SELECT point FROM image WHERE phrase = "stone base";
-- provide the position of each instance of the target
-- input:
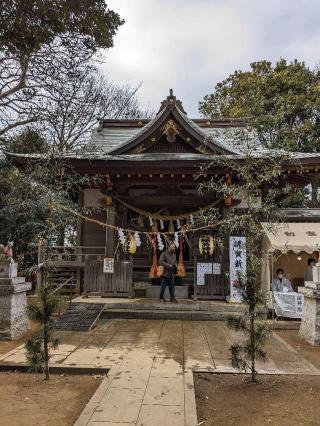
(310, 322)
(153, 292)
(13, 301)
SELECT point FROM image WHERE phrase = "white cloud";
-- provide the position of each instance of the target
(191, 45)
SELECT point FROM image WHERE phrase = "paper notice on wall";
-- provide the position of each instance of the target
(216, 268)
(238, 265)
(207, 268)
(203, 268)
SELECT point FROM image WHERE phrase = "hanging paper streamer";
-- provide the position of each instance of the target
(161, 225)
(178, 224)
(122, 237)
(160, 242)
(176, 239)
(191, 219)
(150, 221)
(137, 238)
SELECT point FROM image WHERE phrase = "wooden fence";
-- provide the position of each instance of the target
(113, 285)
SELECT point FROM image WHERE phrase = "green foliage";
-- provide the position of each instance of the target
(29, 141)
(281, 101)
(297, 198)
(41, 21)
(39, 346)
(254, 180)
(26, 196)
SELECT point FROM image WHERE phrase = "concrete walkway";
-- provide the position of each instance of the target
(152, 363)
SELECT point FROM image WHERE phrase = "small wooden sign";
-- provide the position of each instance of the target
(108, 265)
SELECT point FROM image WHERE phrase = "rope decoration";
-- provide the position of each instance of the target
(169, 218)
(183, 230)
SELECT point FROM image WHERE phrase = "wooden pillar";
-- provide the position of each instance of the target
(110, 220)
(78, 281)
(225, 264)
(228, 199)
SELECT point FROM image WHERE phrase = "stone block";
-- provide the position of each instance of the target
(153, 292)
(310, 322)
(8, 269)
(13, 301)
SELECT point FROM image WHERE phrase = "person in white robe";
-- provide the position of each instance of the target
(281, 284)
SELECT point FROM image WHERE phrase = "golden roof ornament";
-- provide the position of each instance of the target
(171, 130)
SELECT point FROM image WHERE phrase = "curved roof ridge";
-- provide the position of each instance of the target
(140, 132)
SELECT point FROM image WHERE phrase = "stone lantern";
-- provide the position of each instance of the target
(310, 323)
(13, 301)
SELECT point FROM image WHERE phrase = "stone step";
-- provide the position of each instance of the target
(166, 315)
(180, 306)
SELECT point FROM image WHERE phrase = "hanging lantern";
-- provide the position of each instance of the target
(206, 245)
(171, 228)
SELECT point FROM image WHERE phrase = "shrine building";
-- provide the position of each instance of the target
(150, 168)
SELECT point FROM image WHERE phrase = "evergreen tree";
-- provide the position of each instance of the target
(38, 347)
(281, 102)
(252, 178)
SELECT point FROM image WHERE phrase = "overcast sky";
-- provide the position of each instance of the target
(190, 45)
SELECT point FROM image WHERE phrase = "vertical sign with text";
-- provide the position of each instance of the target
(108, 265)
(238, 265)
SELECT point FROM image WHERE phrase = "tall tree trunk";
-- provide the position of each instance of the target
(46, 352)
(253, 346)
(314, 192)
(61, 237)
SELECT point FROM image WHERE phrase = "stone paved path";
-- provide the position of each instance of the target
(150, 382)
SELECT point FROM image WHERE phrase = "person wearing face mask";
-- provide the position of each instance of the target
(281, 284)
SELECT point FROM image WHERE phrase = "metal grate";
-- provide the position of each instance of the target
(79, 317)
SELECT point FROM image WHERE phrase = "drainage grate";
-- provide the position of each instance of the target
(79, 317)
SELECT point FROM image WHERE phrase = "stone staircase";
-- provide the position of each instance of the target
(184, 310)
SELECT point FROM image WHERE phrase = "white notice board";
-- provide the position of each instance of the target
(207, 268)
